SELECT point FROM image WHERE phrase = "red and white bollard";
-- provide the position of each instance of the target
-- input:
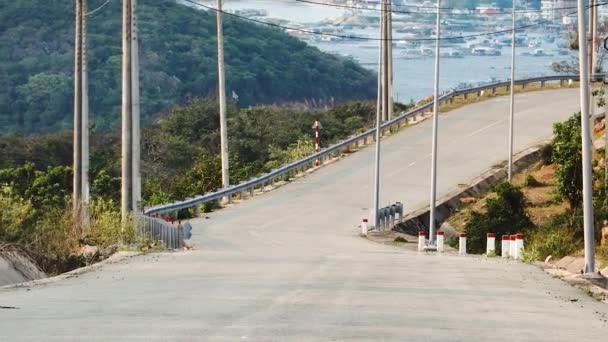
(462, 244)
(491, 244)
(512, 244)
(519, 245)
(317, 126)
(440, 242)
(505, 246)
(421, 241)
(364, 228)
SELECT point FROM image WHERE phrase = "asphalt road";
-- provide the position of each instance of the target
(288, 265)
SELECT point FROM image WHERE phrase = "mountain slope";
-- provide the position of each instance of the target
(178, 61)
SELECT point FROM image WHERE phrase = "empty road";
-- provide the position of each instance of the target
(288, 265)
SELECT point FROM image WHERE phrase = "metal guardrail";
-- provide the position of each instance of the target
(361, 139)
(159, 230)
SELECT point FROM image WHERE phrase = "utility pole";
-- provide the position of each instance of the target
(589, 235)
(385, 61)
(376, 200)
(389, 44)
(81, 116)
(432, 230)
(222, 98)
(592, 32)
(131, 176)
(512, 109)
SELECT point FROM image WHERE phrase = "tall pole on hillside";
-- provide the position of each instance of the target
(593, 29)
(385, 77)
(390, 72)
(432, 230)
(131, 177)
(81, 115)
(376, 200)
(222, 98)
(586, 142)
(512, 109)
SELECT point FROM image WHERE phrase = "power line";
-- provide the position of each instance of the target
(378, 39)
(98, 8)
(425, 7)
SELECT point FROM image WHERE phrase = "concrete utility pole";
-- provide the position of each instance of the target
(376, 200)
(592, 38)
(432, 230)
(222, 98)
(586, 141)
(385, 61)
(131, 176)
(81, 115)
(512, 109)
(389, 44)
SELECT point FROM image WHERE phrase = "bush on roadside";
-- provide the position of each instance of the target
(106, 226)
(504, 214)
(532, 182)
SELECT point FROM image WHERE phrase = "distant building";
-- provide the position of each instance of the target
(558, 10)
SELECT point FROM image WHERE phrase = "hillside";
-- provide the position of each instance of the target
(178, 61)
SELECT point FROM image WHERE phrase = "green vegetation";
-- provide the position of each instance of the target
(503, 214)
(567, 154)
(178, 161)
(178, 62)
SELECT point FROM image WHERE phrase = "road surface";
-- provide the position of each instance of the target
(288, 265)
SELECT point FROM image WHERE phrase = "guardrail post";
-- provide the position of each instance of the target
(479, 92)
(542, 84)
(400, 211)
(523, 86)
(465, 96)
(493, 90)
(508, 87)
(561, 83)
(570, 82)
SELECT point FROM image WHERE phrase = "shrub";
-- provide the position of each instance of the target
(504, 214)
(15, 214)
(106, 226)
(532, 182)
(558, 242)
(567, 154)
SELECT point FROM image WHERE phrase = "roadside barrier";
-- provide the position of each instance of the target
(335, 151)
(421, 241)
(440, 242)
(491, 244)
(505, 246)
(462, 244)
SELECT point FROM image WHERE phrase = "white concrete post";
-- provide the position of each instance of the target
(491, 244)
(505, 246)
(512, 244)
(364, 228)
(440, 242)
(519, 245)
(421, 241)
(462, 244)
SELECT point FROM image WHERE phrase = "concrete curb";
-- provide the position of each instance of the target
(447, 205)
(116, 258)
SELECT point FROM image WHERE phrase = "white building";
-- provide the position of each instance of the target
(558, 10)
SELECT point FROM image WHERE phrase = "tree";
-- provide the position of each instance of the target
(567, 154)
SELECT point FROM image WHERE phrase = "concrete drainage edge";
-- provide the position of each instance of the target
(117, 257)
(418, 220)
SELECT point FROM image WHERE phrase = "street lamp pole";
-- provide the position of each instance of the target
(589, 235)
(512, 109)
(432, 228)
